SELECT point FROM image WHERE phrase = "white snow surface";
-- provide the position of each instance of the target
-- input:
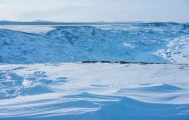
(42, 75)
(94, 91)
(28, 28)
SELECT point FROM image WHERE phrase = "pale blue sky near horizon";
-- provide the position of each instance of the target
(95, 10)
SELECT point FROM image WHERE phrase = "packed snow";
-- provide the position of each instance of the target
(131, 71)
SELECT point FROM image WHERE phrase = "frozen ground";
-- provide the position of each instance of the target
(42, 75)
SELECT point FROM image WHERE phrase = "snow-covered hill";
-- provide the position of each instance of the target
(134, 42)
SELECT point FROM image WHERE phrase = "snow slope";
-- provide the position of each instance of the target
(94, 91)
(132, 42)
(176, 50)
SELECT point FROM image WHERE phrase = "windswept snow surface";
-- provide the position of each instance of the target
(94, 91)
(42, 75)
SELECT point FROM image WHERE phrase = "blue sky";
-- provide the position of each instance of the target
(95, 10)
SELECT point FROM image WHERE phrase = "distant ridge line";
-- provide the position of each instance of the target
(82, 23)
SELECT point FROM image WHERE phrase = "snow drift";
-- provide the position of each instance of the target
(94, 91)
